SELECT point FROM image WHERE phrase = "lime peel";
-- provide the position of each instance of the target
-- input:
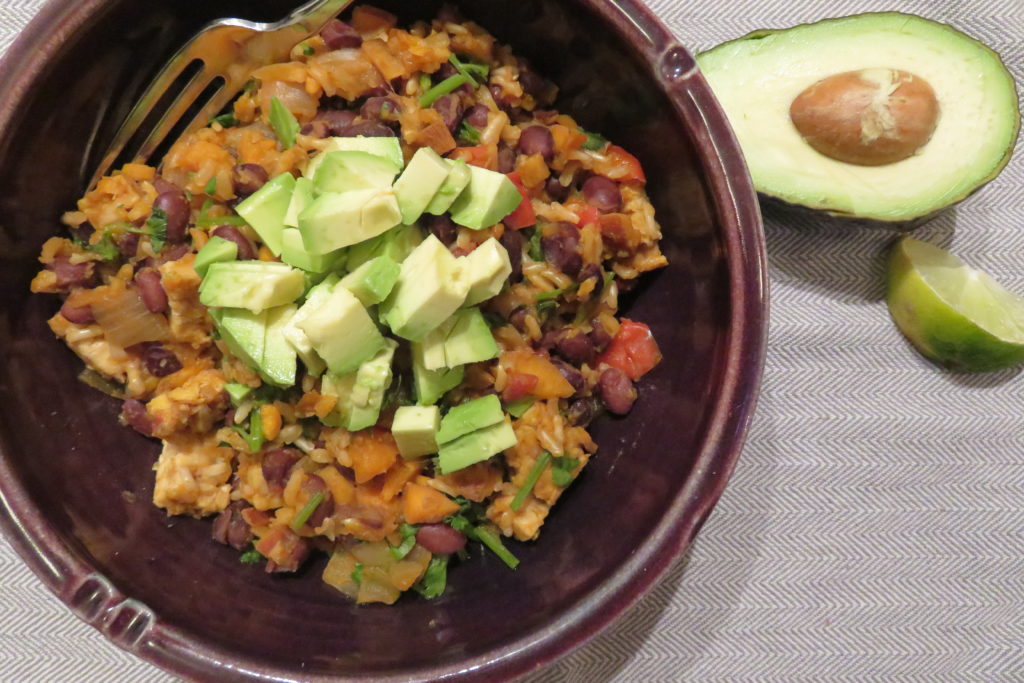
(956, 315)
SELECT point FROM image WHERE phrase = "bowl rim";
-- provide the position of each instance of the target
(133, 627)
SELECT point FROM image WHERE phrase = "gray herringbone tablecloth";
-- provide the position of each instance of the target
(874, 527)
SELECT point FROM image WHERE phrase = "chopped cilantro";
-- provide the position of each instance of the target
(474, 73)
(408, 542)
(251, 556)
(157, 224)
(254, 435)
(544, 308)
(536, 250)
(443, 88)
(308, 50)
(307, 511)
(228, 120)
(105, 248)
(561, 470)
(482, 534)
(284, 123)
(594, 141)
(210, 221)
(424, 82)
(357, 573)
(434, 580)
(469, 133)
(211, 186)
(555, 293)
(530, 481)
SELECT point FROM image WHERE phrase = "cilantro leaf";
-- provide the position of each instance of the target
(408, 542)
(284, 123)
(251, 556)
(157, 224)
(434, 580)
(561, 470)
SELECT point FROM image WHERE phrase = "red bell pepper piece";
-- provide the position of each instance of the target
(629, 163)
(633, 350)
(523, 216)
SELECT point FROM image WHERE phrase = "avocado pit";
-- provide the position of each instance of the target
(869, 117)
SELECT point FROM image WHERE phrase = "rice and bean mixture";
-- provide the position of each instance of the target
(278, 482)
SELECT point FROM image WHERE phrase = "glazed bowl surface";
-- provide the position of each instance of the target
(75, 486)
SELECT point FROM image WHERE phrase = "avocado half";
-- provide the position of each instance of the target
(757, 78)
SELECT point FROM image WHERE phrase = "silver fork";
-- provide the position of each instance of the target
(229, 49)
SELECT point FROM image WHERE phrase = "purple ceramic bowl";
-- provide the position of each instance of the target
(75, 486)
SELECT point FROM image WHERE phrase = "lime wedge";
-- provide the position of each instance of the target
(952, 313)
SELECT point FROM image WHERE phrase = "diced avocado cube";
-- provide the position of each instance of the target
(397, 243)
(348, 171)
(243, 332)
(489, 197)
(431, 349)
(487, 268)
(469, 417)
(342, 332)
(297, 337)
(361, 393)
(255, 285)
(302, 196)
(217, 250)
(451, 188)
(336, 220)
(237, 392)
(372, 281)
(419, 182)
(265, 210)
(293, 252)
(414, 429)
(476, 446)
(278, 364)
(430, 288)
(470, 339)
(389, 148)
(431, 385)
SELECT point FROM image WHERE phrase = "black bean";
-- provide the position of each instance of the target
(248, 178)
(577, 349)
(379, 108)
(443, 228)
(246, 250)
(599, 336)
(337, 35)
(477, 115)
(556, 190)
(513, 242)
(72, 274)
(517, 318)
(79, 315)
(499, 97)
(440, 539)
(592, 271)
(560, 249)
(506, 159)
(602, 193)
(450, 109)
(276, 465)
(581, 411)
(328, 122)
(537, 140)
(368, 129)
(172, 253)
(151, 290)
(175, 206)
(230, 528)
(128, 244)
(159, 360)
(134, 414)
(531, 82)
(571, 374)
(617, 391)
(163, 186)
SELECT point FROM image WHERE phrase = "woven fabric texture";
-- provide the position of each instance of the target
(874, 527)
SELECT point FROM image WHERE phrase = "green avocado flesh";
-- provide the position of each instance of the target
(757, 77)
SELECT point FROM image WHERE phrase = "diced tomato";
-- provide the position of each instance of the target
(633, 350)
(484, 156)
(519, 385)
(629, 163)
(587, 216)
(523, 216)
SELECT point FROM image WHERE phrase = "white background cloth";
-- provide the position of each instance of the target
(874, 526)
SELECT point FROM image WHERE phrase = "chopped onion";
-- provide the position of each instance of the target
(126, 321)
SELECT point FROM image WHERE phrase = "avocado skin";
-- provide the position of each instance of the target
(770, 200)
